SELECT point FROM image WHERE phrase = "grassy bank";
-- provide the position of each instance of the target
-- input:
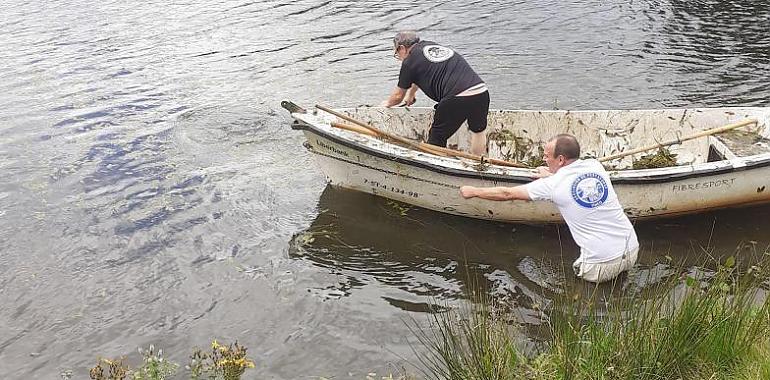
(698, 325)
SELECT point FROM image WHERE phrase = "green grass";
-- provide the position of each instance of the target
(475, 344)
(706, 325)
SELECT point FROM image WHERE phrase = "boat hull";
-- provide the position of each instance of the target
(644, 197)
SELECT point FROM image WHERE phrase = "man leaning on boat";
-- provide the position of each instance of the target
(582, 191)
(444, 76)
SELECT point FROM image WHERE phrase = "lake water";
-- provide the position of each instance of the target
(151, 189)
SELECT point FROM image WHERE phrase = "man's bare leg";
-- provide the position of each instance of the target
(479, 143)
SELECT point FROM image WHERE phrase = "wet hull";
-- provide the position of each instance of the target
(355, 169)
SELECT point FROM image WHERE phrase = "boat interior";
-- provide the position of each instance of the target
(518, 135)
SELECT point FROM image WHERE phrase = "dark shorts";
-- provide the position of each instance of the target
(452, 112)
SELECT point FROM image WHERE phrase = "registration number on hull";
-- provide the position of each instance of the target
(376, 185)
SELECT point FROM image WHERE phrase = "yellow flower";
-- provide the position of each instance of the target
(215, 345)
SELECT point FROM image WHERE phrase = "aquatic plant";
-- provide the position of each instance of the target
(401, 208)
(473, 342)
(663, 158)
(226, 362)
(697, 325)
(519, 149)
(154, 366)
(703, 324)
(115, 370)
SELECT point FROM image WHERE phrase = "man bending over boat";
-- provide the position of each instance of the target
(444, 76)
(585, 197)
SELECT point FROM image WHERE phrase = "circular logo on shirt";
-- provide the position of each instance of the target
(437, 53)
(589, 190)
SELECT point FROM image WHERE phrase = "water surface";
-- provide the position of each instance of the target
(152, 191)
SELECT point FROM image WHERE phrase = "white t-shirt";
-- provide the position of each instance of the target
(584, 195)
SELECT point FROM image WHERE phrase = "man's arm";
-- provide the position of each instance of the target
(410, 95)
(395, 97)
(495, 193)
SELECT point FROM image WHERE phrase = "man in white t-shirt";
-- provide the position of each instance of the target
(582, 191)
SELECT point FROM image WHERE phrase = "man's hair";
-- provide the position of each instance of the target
(406, 38)
(566, 145)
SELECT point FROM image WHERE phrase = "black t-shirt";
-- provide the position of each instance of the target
(438, 71)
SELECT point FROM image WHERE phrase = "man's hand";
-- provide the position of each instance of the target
(410, 97)
(543, 172)
(395, 98)
(467, 191)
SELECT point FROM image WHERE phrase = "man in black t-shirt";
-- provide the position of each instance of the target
(444, 76)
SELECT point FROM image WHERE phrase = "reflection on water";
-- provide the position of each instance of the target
(439, 257)
(432, 257)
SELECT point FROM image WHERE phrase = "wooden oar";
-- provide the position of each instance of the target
(364, 131)
(354, 128)
(411, 144)
(707, 132)
(433, 149)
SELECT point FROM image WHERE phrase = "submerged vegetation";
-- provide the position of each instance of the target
(699, 325)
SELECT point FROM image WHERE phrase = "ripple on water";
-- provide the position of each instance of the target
(213, 127)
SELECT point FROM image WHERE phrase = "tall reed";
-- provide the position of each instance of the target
(700, 325)
(472, 343)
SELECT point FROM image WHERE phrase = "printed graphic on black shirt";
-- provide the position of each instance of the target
(440, 72)
(437, 53)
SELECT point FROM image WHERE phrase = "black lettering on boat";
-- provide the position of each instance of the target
(396, 190)
(331, 148)
(726, 183)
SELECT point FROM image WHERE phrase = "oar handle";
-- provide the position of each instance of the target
(374, 132)
(707, 132)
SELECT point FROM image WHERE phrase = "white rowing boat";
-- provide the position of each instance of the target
(729, 169)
